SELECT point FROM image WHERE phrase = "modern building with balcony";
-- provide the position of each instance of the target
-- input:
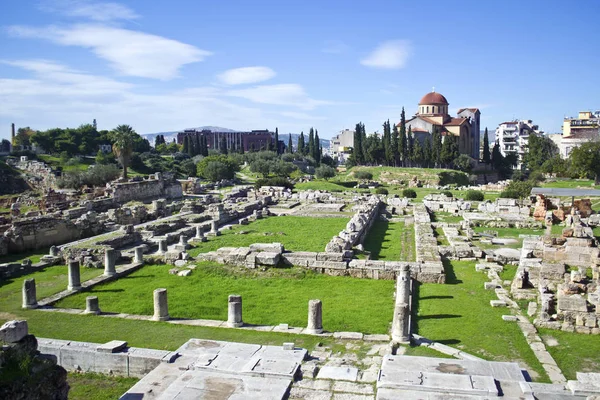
(577, 131)
(513, 136)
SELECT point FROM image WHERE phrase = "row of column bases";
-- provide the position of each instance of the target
(400, 322)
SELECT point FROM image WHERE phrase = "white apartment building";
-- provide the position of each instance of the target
(341, 145)
(512, 136)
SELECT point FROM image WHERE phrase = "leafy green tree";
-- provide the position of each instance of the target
(449, 149)
(487, 158)
(325, 172)
(123, 138)
(261, 166)
(281, 168)
(539, 149)
(23, 136)
(374, 153)
(463, 163)
(417, 155)
(217, 167)
(585, 161)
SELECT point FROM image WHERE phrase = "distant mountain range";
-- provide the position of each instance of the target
(171, 135)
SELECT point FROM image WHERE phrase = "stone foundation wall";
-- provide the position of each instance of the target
(147, 189)
(357, 227)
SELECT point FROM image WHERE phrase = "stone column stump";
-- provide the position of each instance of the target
(315, 317)
(161, 307)
(234, 311)
(29, 294)
(162, 246)
(139, 255)
(110, 260)
(74, 276)
(400, 323)
(91, 305)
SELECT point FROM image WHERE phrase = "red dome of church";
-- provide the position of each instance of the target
(433, 98)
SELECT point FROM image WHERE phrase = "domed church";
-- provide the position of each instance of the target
(433, 111)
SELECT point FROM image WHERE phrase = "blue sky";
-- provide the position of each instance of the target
(159, 65)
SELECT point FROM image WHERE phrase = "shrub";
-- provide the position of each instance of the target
(275, 181)
(517, 190)
(453, 177)
(409, 193)
(382, 190)
(325, 172)
(363, 175)
(536, 176)
(96, 175)
(223, 168)
(509, 194)
(447, 193)
(474, 195)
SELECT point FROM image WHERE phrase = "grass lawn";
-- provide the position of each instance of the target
(92, 386)
(459, 314)
(574, 352)
(440, 237)
(295, 233)
(55, 162)
(391, 241)
(569, 183)
(269, 298)
(443, 216)
(330, 186)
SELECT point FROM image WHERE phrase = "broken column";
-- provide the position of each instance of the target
(400, 323)
(162, 246)
(315, 317)
(138, 255)
(214, 228)
(91, 305)
(403, 285)
(234, 311)
(110, 260)
(74, 276)
(54, 251)
(200, 234)
(29, 294)
(161, 308)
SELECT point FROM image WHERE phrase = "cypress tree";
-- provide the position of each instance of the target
(198, 146)
(427, 155)
(448, 153)
(402, 141)
(311, 143)
(223, 145)
(387, 149)
(486, 148)
(277, 140)
(290, 148)
(190, 149)
(317, 148)
(409, 144)
(436, 146)
(417, 153)
(394, 145)
(358, 158)
(301, 149)
(363, 139)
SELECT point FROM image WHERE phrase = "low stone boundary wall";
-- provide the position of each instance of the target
(113, 358)
(14, 270)
(428, 256)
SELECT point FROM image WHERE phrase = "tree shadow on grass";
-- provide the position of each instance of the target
(436, 297)
(439, 316)
(447, 341)
(376, 237)
(451, 278)
(108, 290)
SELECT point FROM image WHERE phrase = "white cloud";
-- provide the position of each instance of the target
(57, 95)
(130, 52)
(392, 54)
(238, 76)
(97, 11)
(288, 94)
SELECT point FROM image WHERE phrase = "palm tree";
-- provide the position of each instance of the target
(123, 138)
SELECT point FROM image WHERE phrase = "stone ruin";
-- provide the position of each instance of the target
(441, 202)
(155, 186)
(505, 206)
(560, 210)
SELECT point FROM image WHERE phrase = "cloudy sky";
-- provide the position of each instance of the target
(162, 66)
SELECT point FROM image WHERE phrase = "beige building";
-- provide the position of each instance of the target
(577, 131)
(433, 111)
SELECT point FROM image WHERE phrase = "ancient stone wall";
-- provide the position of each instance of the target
(357, 227)
(441, 202)
(147, 189)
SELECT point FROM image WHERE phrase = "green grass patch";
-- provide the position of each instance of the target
(574, 352)
(440, 237)
(569, 183)
(459, 314)
(49, 281)
(508, 272)
(269, 298)
(392, 241)
(443, 216)
(295, 233)
(92, 386)
(330, 186)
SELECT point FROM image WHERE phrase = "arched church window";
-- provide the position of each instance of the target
(427, 109)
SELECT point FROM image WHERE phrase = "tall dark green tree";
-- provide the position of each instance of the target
(410, 144)
(539, 149)
(387, 143)
(223, 145)
(363, 140)
(436, 146)
(449, 150)
(417, 155)
(301, 147)
(290, 148)
(318, 151)
(358, 145)
(198, 146)
(394, 146)
(190, 149)
(487, 157)
(277, 140)
(186, 144)
(311, 143)
(497, 159)
(427, 153)
(403, 140)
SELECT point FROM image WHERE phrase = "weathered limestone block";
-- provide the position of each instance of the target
(74, 277)
(271, 247)
(267, 258)
(330, 256)
(29, 294)
(91, 305)
(572, 303)
(315, 317)
(234, 311)
(161, 307)
(13, 331)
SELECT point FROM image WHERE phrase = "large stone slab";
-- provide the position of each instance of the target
(338, 373)
(572, 303)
